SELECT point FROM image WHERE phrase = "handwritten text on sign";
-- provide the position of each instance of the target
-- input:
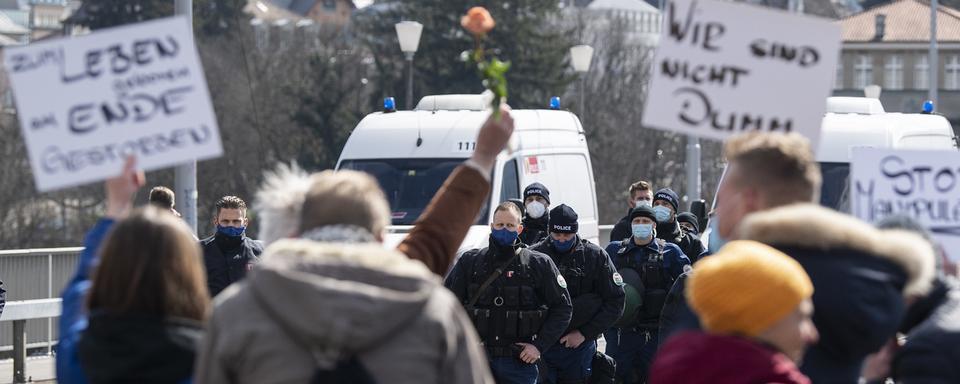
(924, 185)
(723, 68)
(85, 103)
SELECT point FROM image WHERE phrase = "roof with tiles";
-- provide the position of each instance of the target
(906, 21)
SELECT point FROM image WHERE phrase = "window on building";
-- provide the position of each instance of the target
(921, 72)
(330, 5)
(863, 70)
(839, 80)
(952, 80)
(893, 72)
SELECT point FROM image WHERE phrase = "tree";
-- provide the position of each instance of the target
(529, 34)
(99, 14)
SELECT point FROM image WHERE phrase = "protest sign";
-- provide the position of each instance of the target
(723, 68)
(85, 103)
(924, 185)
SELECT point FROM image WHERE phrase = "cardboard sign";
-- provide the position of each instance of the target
(723, 68)
(87, 102)
(924, 185)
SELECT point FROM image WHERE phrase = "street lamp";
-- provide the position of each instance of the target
(408, 32)
(581, 56)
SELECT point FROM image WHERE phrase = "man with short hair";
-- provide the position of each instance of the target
(648, 266)
(536, 201)
(596, 290)
(768, 195)
(229, 254)
(163, 198)
(515, 296)
(639, 193)
(666, 204)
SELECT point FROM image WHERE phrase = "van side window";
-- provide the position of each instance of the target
(510, 187)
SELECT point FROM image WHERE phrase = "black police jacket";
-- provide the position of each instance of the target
(593, 283)
(225, 269)
(622, 229)
(534, 230)
(529, 283)
(689, 243)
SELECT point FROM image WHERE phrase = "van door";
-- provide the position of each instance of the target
(570, 181)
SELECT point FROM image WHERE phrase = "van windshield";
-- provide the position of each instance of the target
(836, 184)
(408, 183)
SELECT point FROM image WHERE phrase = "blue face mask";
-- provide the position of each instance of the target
(231, 231)
(504, 237)
(642, 231)
(563, 246)
(662, 213)
(715, 241)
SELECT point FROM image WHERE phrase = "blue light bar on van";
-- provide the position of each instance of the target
(389, 104)
(928, 107)
(555, 103)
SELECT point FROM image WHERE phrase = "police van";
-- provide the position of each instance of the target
(860, 122)
(411, 153)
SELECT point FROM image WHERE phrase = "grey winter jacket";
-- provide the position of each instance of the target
(309, 303)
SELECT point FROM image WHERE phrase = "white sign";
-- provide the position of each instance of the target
(85, 103)
(723, 68)
(924, 185)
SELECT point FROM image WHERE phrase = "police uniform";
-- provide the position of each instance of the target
(649, 271)
(535, 229)
(596, 291)
(671, 230)
(527, 302)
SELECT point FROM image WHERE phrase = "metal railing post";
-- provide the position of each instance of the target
(19, 351)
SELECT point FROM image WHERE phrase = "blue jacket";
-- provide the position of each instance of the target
(73, 319)
(673, 258)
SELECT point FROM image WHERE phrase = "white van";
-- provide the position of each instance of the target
(854, 122)
(411, 153)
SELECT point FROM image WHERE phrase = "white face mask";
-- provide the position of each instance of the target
(536, 209)
(642, 203)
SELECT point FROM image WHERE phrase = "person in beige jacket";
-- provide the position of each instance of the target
(335, 302)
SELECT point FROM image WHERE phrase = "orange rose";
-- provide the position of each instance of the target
(478, 21)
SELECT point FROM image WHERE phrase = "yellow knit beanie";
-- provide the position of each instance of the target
(745, 288)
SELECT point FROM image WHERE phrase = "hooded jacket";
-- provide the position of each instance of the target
(310, 304)
(860, 275)
(138, 349)
(696, 357)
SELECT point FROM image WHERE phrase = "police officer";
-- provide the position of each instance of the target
(689, 222)
(648, 266)
(516, 298)
(536, 199)
(665, 207)
(596, 290)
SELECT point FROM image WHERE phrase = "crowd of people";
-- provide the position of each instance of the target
(785, 291)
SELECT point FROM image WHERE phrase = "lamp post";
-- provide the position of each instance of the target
(185, 175)
(408, 33)
(581, 56)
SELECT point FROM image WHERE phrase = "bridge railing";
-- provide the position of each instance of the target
(18, 313)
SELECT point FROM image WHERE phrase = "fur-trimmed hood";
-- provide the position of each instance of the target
(344, 297)
(815, 227)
